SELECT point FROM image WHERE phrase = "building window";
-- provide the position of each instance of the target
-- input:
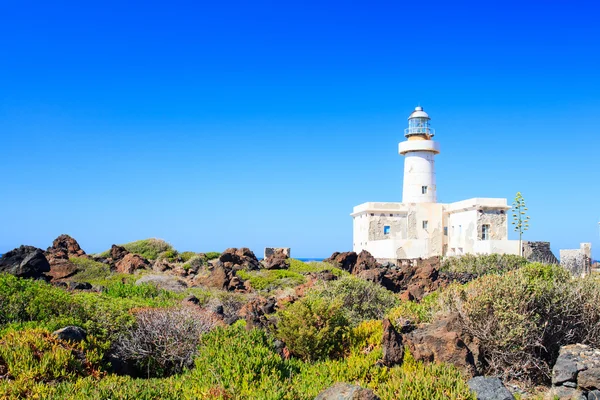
(391, 215)
(386, 230)
(460, 229)
(372, 215)
(424, 189)
(485, 232)
(445, 231)
(425, 223)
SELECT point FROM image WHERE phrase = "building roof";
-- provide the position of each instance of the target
(418, 113)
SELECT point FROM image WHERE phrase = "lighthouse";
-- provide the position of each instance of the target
(419, 151)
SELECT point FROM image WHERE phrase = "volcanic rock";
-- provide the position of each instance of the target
(25, 262)
(130, 263)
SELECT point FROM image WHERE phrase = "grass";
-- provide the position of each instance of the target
(147, 248)
(314, 267)
(272, 279)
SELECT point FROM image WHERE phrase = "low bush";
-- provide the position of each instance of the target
(154, 296)
(361, 299)
(271, 279)
(482, 264)
(314, 328)
(147, 248)
(314, 267)
(523, 317)
(187, 256)
(90, 271)
(211, 255)
(34, 356)
(366, 336)
(164, 341)
(416, 312)
(170, 255)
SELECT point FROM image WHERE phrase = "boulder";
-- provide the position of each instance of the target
(565, 369)
(117, 253)
(393, 347)
(80, 286)
(64, 246)
(276, 259)
(365, 261)
(589, 379)
(131, 263)
(25, 262)
(222, 277)
(443, 341)
(71, 333)
(166, 282)
(593, 395)
(345, 261)
(62, 269)
(346, 391)
(489, 389)
(242, 258)
(566, 393)
(255, 312)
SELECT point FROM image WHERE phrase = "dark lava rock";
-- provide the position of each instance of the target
(71, 333)
(80, 286)
(393, 348)
(242, 258)
(25, 262)
(489, 389)
(277, 259)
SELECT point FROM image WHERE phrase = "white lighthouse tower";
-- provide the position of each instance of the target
(419, 165)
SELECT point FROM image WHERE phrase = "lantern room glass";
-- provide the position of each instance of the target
(418, 126)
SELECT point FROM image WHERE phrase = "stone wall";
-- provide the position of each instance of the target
(576, 374)
(271, 251)
(579, 261)
(539, 252)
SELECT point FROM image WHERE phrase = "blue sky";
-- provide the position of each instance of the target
(228, 124)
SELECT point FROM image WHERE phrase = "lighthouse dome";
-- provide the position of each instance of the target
(419, 113)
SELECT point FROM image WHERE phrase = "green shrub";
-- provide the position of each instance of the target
(147, 248)
(416, 312)
(415, 380)
(523, 317)
(314, 328)
(32, 356)
(481, 264)
(187, 256)
(170, 255)
(361, 299)
(146, 291)
(211, 255)
(91, 271)
(271, 279)
(314, 267)
(366, 336)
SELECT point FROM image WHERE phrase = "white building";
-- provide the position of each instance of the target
(422, 227)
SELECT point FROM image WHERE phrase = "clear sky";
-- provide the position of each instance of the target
(226, 124)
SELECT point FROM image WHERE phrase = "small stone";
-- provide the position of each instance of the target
(589, 379)
(593, 395)
(489, 389)
(191, 299)
(566, 393)
(71, 333)
(346, 391)
(564, 370)
(570, 384)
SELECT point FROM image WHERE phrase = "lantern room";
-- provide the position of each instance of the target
(418, 124)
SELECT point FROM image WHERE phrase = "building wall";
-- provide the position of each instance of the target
(462, 232)
(579, 261)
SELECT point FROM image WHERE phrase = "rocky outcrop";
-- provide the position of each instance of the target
(131, 263)
(117, 253)
(443, 341)
(489, 388)
(576, 373)
(221, 277)
(276, 259)
(345, 261)
(346, 391)
(255, 312)
(25, 262)
(392, 344)
(242, 258)
(63, 248)
(440, 341)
